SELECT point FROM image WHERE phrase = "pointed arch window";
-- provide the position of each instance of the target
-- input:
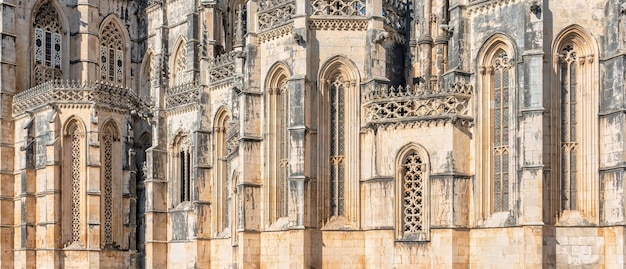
(148, 76)
(500, 117)
(576, 121)
(111, 54)
(109, 138)
(412, 210)
(183, 153)
(497, 123)
(74, 154)
(180, 64)
(223, 188)
(569, 140)
(48, 42)
(337, 146)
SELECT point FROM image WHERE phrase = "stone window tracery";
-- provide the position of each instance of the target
(413, 204)
(337, 146)
(569, 140)
(576, 116)
(111, 54)
(47, 44)
(180, 64)
(500, 116)
(496, 135)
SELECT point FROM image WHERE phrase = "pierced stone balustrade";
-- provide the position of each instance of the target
(78, 92)
(384, 104)
(275, 13)
(182, 95)
(223, 67)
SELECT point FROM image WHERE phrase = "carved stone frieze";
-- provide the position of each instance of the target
(338, 24)
(275, 33)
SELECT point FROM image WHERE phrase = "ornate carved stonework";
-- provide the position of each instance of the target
(222, 67)
(181, 95)
(79, 92)
(338, 7)
(276, 13)
(275, 33)
(383, 104)
(338, 24)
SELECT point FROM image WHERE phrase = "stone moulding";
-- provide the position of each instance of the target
(79, 92)
(343, 24)
(180, 95)
(385, 105)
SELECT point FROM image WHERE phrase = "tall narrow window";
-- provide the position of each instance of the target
(108, 138)
(223, 129)
(180, 64)
(47, 44)
(337, 152)
(181, 169)
(413, 176)
(147, 78)
(283, 138)
(74, 141)
(500, 116)
(111, 54)
(569, 141)
(184, 156)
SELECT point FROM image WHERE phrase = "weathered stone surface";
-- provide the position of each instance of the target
(312, 134)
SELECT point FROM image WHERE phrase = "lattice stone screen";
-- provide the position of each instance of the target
(413, 169)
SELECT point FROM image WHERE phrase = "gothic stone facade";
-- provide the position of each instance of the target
(312, 134)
